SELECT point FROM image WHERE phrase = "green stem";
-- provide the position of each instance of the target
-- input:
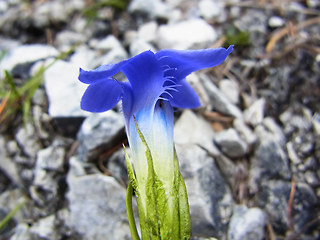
(132, 223)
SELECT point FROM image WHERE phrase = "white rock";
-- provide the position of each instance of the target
(154, 8)
(113, 56)
(139, 46)
(84, 57)
(175, 3)
(22, 232)
(245, 132)
(193, 33)
(44, 228)
(147, 31)
(247, 224)
(274, 129)
(230, 89)
(108, 43)
(3, 6)
(255, 113)
(51, 158)
(210, 8)
(230, 143)
(276, 22)
(7, 44)
(64, 90)
(26, 54)
(192, 129)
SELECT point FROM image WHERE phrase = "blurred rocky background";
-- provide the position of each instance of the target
(249, 156)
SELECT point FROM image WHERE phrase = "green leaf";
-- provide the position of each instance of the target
(10, 215)
(184, 213)
(11, 83)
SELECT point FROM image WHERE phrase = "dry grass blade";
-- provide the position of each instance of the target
(3, 104)
(279, 34)
(290, 202)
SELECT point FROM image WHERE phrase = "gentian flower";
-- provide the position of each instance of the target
(156, 86)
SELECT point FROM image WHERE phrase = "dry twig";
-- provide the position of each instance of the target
(279, 34)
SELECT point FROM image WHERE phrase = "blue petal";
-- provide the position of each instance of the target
(184, 97)
(101, 96)
(184, 62)
(127, 101)
(146, 78)
(100, 73)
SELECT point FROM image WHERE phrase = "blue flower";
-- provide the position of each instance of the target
(156, 85)
(152, 76)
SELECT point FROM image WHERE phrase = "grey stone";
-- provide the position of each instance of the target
(192, 33)
(296, 118)
(269, 162)
(63, 90)
(52, 157)
(193, 129)
(41, 120)
(67, 39)
(245, 132)
(218, 100)
(312, 179)
(55, 12)
(227, 168)
(26, 138)
(44, 228)
(255, 113)
(97, 205)
(230, 89)
(22, 232)
(316, 123)
(209, 196)
(255, 23)
(273, 198)
(247, 224)
(293, 156)
(98, 133)
(117, 166)
(230, 143)
(39, 98)
(10, 199)
(12, 147)
(48, 169)
(271, 130)
(26, 54)
(195, 82)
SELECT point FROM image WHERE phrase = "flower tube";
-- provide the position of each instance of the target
(156, 86)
